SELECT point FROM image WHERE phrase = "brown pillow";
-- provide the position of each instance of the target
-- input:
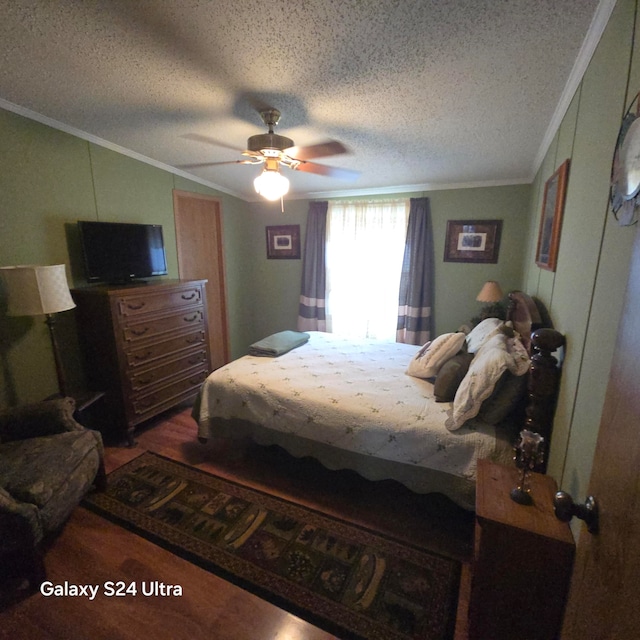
(450, 376)
(509, 391)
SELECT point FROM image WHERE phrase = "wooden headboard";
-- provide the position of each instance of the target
(544, 373)
(525, 315)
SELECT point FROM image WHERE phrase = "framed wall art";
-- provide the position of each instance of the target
(472, 241)
(555, 190)
(283, 241)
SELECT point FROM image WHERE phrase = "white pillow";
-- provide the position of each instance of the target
(497, 355)
(428, 361)
(482, 332)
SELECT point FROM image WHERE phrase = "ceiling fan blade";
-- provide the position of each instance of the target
(199, 165)
(324, 170)
(320, 150)
(207, 140)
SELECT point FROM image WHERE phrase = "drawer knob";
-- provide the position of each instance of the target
(188, 297)
(565, 508)
(192, 318)
(140, 332)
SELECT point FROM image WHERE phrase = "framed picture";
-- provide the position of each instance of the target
(555, 190)
(283, 241)
(472, 240)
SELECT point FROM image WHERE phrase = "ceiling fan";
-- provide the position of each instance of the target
(274, 150)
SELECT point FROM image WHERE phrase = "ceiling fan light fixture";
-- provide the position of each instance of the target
(271, 184)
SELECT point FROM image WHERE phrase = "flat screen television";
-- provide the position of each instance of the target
(121, 252)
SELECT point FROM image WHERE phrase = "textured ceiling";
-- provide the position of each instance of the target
(425, 94)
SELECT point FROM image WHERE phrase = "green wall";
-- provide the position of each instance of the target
(456, 284)
(276, 283)
(585, 294)
(49, 180)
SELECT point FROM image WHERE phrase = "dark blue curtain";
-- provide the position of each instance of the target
(312, 314)
(415, 316)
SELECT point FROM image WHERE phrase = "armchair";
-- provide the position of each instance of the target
(48, 462)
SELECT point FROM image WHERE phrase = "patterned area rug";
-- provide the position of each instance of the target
(346, 579)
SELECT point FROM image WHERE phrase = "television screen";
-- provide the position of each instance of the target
(119, 252)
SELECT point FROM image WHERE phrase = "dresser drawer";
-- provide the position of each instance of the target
(151, 327)
(147, 346)
(140, 379)
(136, 305)
(169, 394)
(146, 354)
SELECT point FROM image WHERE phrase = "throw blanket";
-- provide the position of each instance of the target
(278, 343)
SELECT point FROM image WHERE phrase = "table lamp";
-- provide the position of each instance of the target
(491, 294)
(39, 290)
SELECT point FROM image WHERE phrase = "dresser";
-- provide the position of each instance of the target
(523, 559)
(145, 345)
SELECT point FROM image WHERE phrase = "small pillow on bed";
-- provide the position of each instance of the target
(428, 361)
(482, 332)
(506, 396)
(497, 355)
(450, 376)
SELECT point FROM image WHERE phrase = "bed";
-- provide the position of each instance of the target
(355, 405)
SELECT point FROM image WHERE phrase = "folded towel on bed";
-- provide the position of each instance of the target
(278, 343)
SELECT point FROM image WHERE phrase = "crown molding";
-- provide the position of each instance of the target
(596, 29)
(83, 135)
(410, 188)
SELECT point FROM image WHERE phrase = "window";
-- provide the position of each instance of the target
(364, 253)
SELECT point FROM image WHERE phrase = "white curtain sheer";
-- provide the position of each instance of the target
(364, 254)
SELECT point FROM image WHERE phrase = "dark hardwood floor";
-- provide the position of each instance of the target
(91, 550)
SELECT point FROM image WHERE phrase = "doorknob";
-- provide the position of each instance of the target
(565, 508)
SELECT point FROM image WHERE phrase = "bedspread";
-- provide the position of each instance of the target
(352, 396)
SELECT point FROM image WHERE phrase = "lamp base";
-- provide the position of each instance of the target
(50, 321)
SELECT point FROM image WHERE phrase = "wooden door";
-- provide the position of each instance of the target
(605, 591)
(198, 220)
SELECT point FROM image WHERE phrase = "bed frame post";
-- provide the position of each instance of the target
(543, 385)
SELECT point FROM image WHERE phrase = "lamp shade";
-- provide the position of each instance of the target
(271, 185)
(34, 290)
(490, 292)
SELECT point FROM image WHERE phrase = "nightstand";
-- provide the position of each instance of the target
(523, 557)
